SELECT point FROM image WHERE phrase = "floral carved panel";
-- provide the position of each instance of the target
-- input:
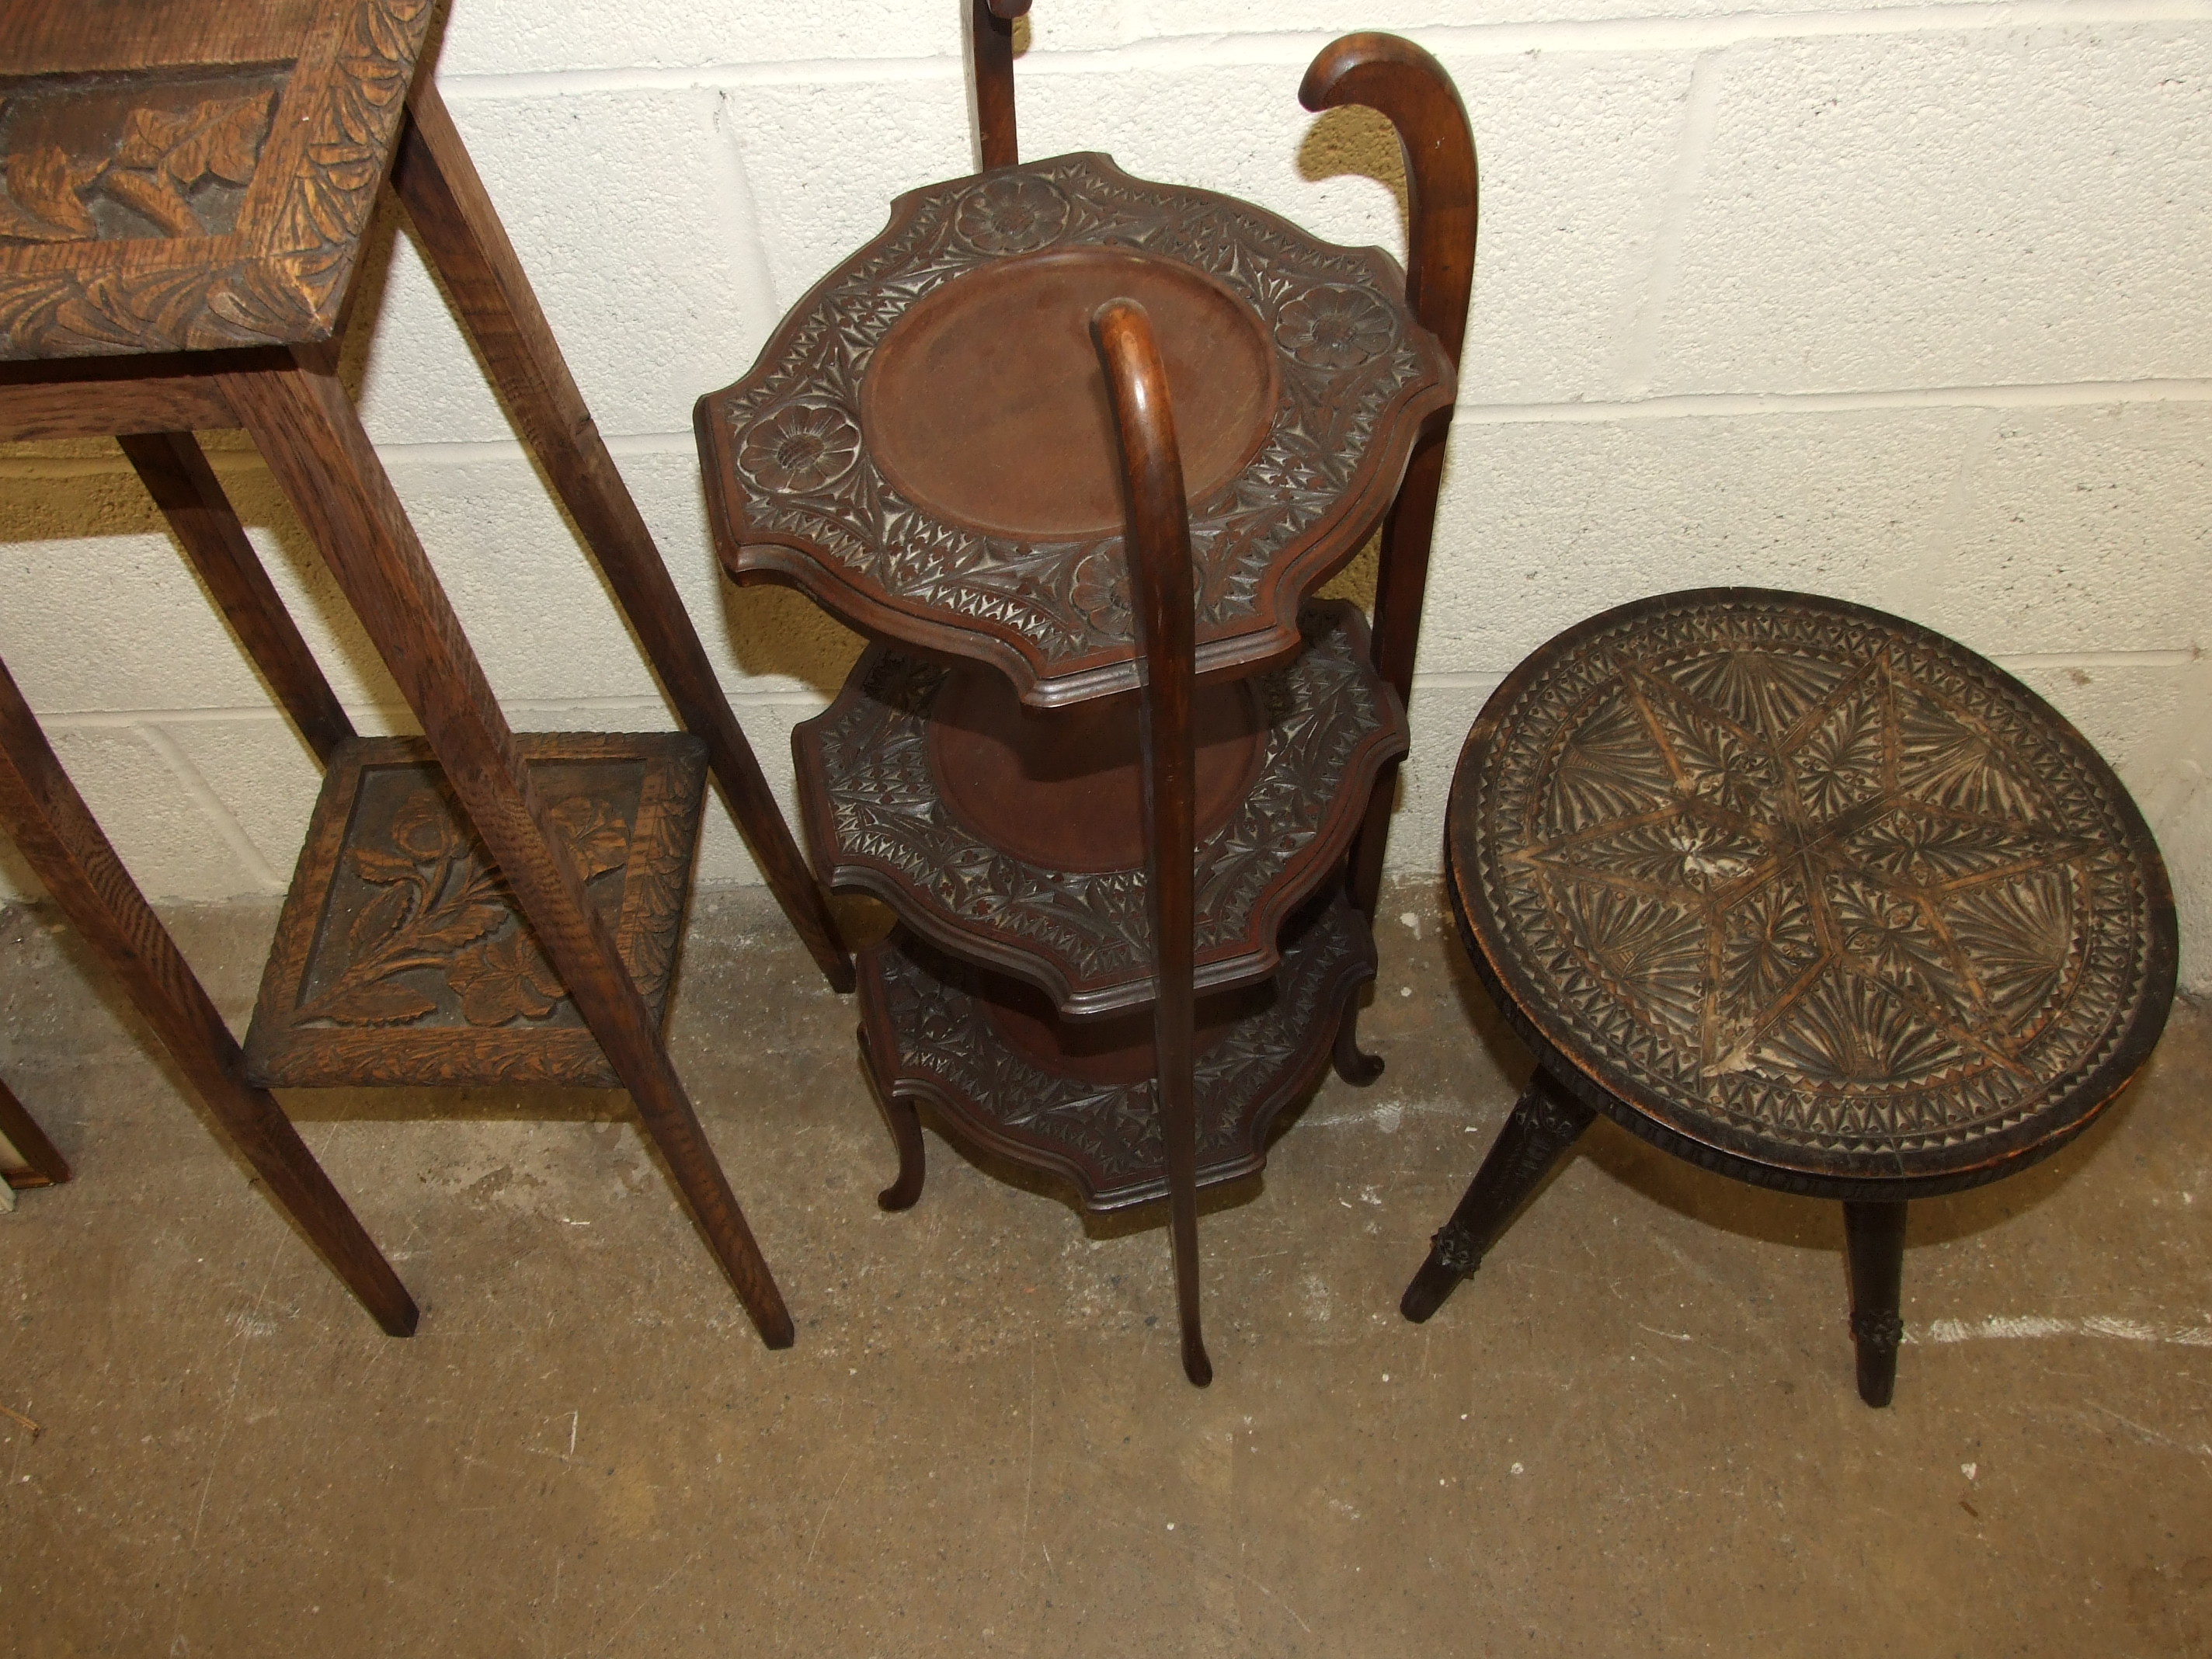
(1814, 892)
(189, 205)
(402, 956)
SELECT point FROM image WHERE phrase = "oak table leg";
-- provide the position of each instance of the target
(177, 475)
(308, 431)
(1547, 1121)
(469, 250)
(22, 1131)
(54, 830)
(1874, 1242)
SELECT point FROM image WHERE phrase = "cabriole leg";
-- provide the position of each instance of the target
(905, 1125)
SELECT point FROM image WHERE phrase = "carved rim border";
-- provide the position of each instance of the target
(2037, 1131)
(750, 551)
(1295, 1067)
(1232, 950)
(281, 277)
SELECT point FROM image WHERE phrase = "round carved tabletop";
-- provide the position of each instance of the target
(1809, 894)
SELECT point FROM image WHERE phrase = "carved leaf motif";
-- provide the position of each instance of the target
(595, 834)
(381, 918)
(2018, 934)
(1887, 931)
(164, 153)
(450, 927)
(1758, 689)
(505, 978)
(375, 864)
(381, 1002)
(42, 185)
(1654, 949)
(1610, 768)
(1771, 941)
(1840, 763)
(157, 198)
(1944, 761)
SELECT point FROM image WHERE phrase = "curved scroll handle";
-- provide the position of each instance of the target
(991, 37)
(1411, 87)
(1159, 545)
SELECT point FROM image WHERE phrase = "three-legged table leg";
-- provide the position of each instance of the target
(1547, 1121)
(54, 830)
(306, 429)
(469, 247)
(1873, 1240)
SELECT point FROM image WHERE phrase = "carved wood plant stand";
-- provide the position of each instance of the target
(1808, 895)
(187, 185)
(928, 446)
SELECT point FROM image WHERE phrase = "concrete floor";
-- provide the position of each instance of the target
(1634, 1433)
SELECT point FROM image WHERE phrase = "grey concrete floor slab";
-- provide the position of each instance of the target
(1634, 1432)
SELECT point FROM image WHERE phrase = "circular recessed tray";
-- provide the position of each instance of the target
(1014, 837)
(985, 403)
(923, 445)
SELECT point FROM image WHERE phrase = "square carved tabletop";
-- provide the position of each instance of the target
(190, 174)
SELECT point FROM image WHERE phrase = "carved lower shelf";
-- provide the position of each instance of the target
(1012, 836)
(401, 958)
(1075, 1098)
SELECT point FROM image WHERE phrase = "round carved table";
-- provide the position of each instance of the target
(924, 447)
(1805, 893)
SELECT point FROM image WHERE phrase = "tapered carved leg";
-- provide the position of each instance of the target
(433, 176)
(905, 1125)
(312, 438)
(1873, 1240)
(1547, 1121)
(54, 830)
(1354, 1064)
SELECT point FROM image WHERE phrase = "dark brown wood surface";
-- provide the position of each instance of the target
(43, 1165)
(401, 959)
(1315, 377)
(192, 177)
(1158, 544)
(1075, 1098)
(1809, 894)
(1014, 837)
(177, 475)
(51, 826)
(101, 397)
(1408, 85)
(991, 47)
(469, 247)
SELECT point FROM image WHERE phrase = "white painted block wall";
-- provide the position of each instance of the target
(1905, 304)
